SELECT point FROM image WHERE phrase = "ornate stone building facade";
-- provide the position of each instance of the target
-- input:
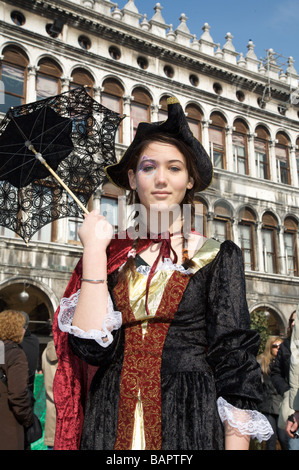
(245, 112)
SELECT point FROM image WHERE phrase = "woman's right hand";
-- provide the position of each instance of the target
(96, 231)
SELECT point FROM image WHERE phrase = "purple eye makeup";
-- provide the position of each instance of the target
(147, 165)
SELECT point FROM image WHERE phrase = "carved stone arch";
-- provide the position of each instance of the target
(241, 212)
(82, 76)
(276, 324)
(120, 85)
(40, 305)
(141, 89)
(226, 209)
(51, 59)
(218, 114)
(11, 49)
(284, 134)
(266, 216)
(241, 120)
(263, 131)
(293, 217)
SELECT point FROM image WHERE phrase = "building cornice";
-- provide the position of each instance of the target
(111, 29)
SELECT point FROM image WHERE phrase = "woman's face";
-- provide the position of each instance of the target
(275, 347)
(161, 178)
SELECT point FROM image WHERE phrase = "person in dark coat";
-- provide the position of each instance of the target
(280, 378)
(30, 345)
(16, 412)
(272, 400)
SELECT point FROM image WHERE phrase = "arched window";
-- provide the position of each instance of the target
(82, 77)
(274, 322)
(112, 98)
(291, 248)
(140, 109)
(269, 237)
(240, 147)
(13, 75)
(261, 149)
(222, 222)
(282, 158)
(217, 140)
(194, 118)
(246, 227)
(48, 79)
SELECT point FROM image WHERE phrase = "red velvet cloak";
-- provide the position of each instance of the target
(73, 377)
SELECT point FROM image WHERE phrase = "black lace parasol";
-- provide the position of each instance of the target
(51, 148)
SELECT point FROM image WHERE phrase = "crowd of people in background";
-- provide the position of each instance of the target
(21, 352)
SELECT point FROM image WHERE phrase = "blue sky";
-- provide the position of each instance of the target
(268, 23)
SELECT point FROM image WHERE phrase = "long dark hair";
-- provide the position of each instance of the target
(188, 198)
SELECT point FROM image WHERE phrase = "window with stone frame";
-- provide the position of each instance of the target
(246, 227)
(222, 224)
(240, 147)
(140, 109)
(81, 77)
(282, 158)
(48, 79)
(13, 75)
(270, 243)
(112, 98)
(291, 245)
(194, 117)
(217, 140)
(261, 150)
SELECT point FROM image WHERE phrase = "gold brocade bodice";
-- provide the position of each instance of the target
(137, 284)
(140, 379)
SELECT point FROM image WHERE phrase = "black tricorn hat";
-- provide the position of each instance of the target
(177, 126)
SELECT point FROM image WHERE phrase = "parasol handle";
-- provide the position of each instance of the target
(39, 157)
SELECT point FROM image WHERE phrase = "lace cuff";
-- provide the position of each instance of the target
(112, 321)
(248, 422)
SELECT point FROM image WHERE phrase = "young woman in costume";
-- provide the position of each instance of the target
(161, 314)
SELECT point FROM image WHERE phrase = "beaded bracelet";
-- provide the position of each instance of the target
(94, 281)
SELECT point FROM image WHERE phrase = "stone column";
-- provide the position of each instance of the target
(65, 83)
(235, 231)
(272, 161)
(251, 156)
(260, 264)
(293, 166)
(31, 83)
(127, 134)
(229, 149)
(97, 93)
(205, 135)
(282, 265)
(210, 219)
